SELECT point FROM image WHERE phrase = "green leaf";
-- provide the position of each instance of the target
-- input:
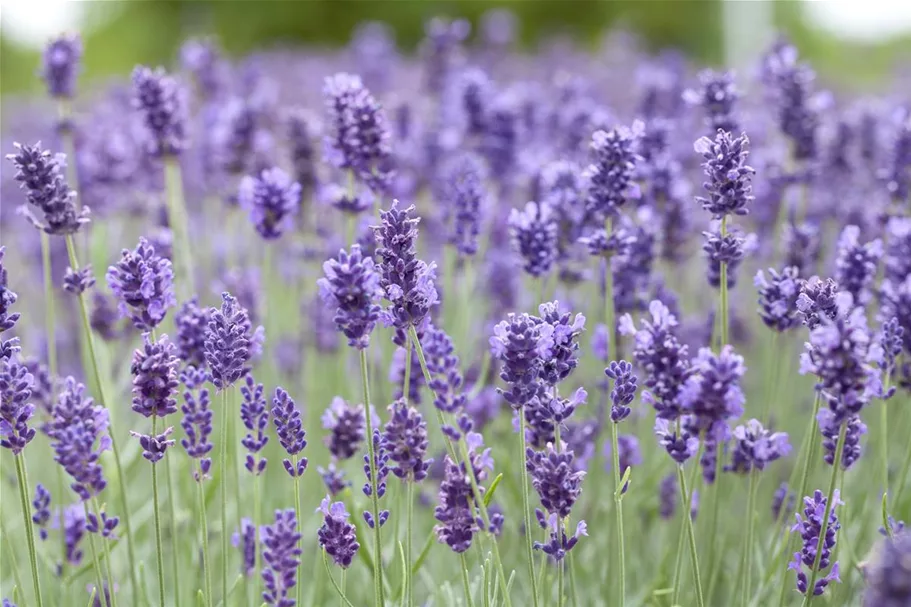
(416, 566)
(618, 494)
(493, 487)
(200, 598)
(332, 579)
(92, 596)
(885, 515)
(404, 566)
(662, 591)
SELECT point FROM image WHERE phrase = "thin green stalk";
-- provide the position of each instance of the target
(526, 510)
(102, 399)
(906, 466)
(406, 382)
(224, 497)
(609, 297)
(678, 563)
(467, 587)
(572, 580)
(297, 514)
(688, 521)
(11, 553)
(724, 289)
(99, 579)
(884, 439)
(560, 591)
(257, 521)
(409, 509)
(177, 218)
(836, 463)
(379, 598)
(772, 369)
(342, 584)
(561, 522)
(22, 476)
(50, 325)
(678, 566)
(172, 518)
(159, 551)
(107, 557)
(340, 591)
(204, 526)
(618, 506)
(748, 544)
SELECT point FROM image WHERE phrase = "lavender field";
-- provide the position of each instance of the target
(468, 326)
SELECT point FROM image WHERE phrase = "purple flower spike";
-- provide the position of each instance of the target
(337, 536)
(154, 447)
(161, 101)
(103, 525)
(42, 176)
(7, 319)
(79, 431)
(522, 342)
(888, 574)
(680, 446)
(816, 301)
(381, 459)
(79, 281)
(559, 543)
(192, 321)
(143, 282)
(15, 411)
(778, 298)
(611, 173)
(755, 447)
(810, 527)
(346, 425)
(625, 386)
(352, 286)
(245, 539)
(60, 65)
(287, 419)
(555, 479)
(154, 371)
(443, 364)
(533, 232)
(229, 343)
(42, 506)
(405, 438)
(728, 186)
(271, 199)
(712, 394)
(281, 557)
(465, 196)
(334, 479)
(830, 432)
(255, 416)
(783, 498)
(197, 421)
(717, 95)
(563, 358)
(456, 510)
(856, 264)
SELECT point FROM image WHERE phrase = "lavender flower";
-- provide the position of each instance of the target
(667, 496)
(810, 527)
(816, 301)
(897, 182)
(397, 376)
(255, 416)
(60, 65)
(717, 95)
(446, 380)
(456, 509)
(197, 421)
(563, 357)
(680, 445)
(73, 525)
(380, 459)
(405, 439)
(191, 322)
(78, 282)
(610, 176)
(555, 479)
(712, 394)
(245, 539)
(855, 428)
(15, 410)
(287, 419)
(856, 263)
(890, 343)
(154, 446)
(755, 447)
(500, 142)
(162, 103)
(797, 108)
(346, 428)
(102, 524)
(334, 479)
(559, 543)
(228, 342)
(522, 342)
(473, 92)
(464, 196)
(728, 186)
(203, 59)
(79, 431)
(298, 133)
(271, 199)
(801, 247)
(778, 298)
(281, 557)
(7, 319)
(533, 232)
(104, 317)
(42, 506)
(154, 371)
(352, 286)
(143, 282)
(783, 498)
(624, 389)
(888, 574)
(337, 536)
(41, 175)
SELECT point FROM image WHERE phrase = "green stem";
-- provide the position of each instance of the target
(50, 325)
(609, 297)
(409, 509)
(342, 577)
(836, 463)
(748, 544)
(340, 591)
(204, 525)
(107, 558)
(224, 497)
(11, 553)
(177, 218)
(102, 399)
(406, 383)
(379, 598)
(678, 563)
(465, 584)
(884, 439)
(175, 556)
(560, 575)
(572, 580)
(257, 521)
(297, 514)
(618, 504)
(159, 550)
(678, 566)
(724, 289)
(772, 369)
(688, 522)
(526, 509)
(99, 579)
(22, 476)
(906, 466)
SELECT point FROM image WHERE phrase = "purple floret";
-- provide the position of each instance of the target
(352, 286)
(405, 439)
(60, 65)
(281, 557)
(42, 176)
(15, 409)
(337, 536)
(154, 371)
(255, 416)
(811, 525)
(143, 283)
(79, 434)
(271, 199)
(287, 419)
(161, 101)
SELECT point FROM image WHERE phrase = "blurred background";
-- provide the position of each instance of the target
(852, 42)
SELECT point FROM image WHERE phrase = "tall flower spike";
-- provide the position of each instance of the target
(197, 421)
(717, 95)
(154, 371)
(281, 558)
(446, 378)
(712, 395)
(143, 283)
(680, 446)
(728, 249)
(811, 526)
(624, 389)
(463, 187)
(290, 430)
(255, 416)
(797, 106)
(79, 281)
(555, 479)
(228, 342)
(60, 65)
(855, 266)
(41, 175)
(778, 298)
(8, 319)
(42, 506)
(816, 301)
(271, 199)
(352, 286)
(155, 446)
(245, 539)
(456, 509)
(831, 430)
(161, 101)
(380, 459)
(405, 438)
(346, 425)
(15, 410)
(191, 322)
(729, 184)
(533, 233)
(79, 431)
(895, 176)
(407, 282)
(522, 342)
(610, 176)
(755, 447)
(337, 536)
(888, 574)
(563, 358)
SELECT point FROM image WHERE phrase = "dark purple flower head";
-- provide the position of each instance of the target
(380, 461)
(352, 286)
(271, 199)
(43, 386)
(555, 479)
(104, 317)
(234, 135)
(42, 176)
(281, 557)
(162, 102)
(334, 479)
(801, 247)
(7, 298)
(79, 431)
(346, 428)
(42, 506)
(501, 138)
(856, 264)
(337, 536)
(15, 409)
(154, 446)
(290, 430)
(441, 50)
(405, 439)
(245, 539)
(783, 498)
(712, 394)
(228, 342)
(798, 107)
(197, 421)
(203, 59)
(662, 357)
(679, 445)
(456, 511)
(727, 249)
(888, 575)
(143, 283)
(754, 447)
(817, 301)
(191, 322)
(616, 244)
(79, 281)
(830, 430)
(810, 527)
(298, 129)
(358, 134)
(533, 233)
(523, 343)
(544, 412)
(255, 415)
(717, 95)
(407, 282)
(667, 496)
(629, 454)
(728, 186)
(464, 194)
(563, 357)
(154, 371)
(778, 298)
(559, 543)
(895, 175)
(610, 176)
(889, 343)
(352, 203)
(625, 386)
(60, 65)
(443, 364)
(473, 95)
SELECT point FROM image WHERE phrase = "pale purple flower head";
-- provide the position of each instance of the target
(346, 425)
(162, 102)
(42, 176)
(271, 199)
(680, 446)
(290, 430)
(255, 416)
(245, 539)
(811, 525)
(563, 357)
(523, 343)
(556, 480)
(405, 439)
(154, 371)
(817, 301)
(888, 574)
(15, 409)
(533, 233)
(712, 394)
(778, 298)
(855, 266)
(610, 176)
(191, 322)
(281, 557)
(463, 188)
(79, 434)
(755, 447)
(228, 343)
(60, 65)
(717, 94)
(625, 386)
(42, 507)
(78, 282)
(443, 363)
(352, 286)
(197, 421)
(729, 189)
(143, 283)
(337, 536)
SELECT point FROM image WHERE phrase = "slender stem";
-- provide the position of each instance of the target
(906, 466)
(409, 509)
(572, 580)
(224, 497)
(378, 598)
(159, 550)
(618, 503)
(773, 365)
(90, 340)
(172, 518)
(297, 513)
(406, 383)
(748, 544)
(107, 559)
(22, 476)
(340, 591)
(50, 325)
(465, 584)
(678, 563)
(688, 522)
(560, 591)
(11, 553)
(884, 439)
(99, 579)
(342, 577)
(204, 526)
(177, 218)
(678, 566)
(257, 521)
(526, 509)
(724, 289)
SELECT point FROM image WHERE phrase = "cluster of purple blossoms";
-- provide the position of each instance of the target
(456, 509)
(443, 364)
(811, 526)
(895, 176)
(281, 557)
(197, 420)
(625, 386)
(346, 428)
(60, 65)
(271, 199)
(473, 91)
(679, 444)
(78, 282)
(380, 461)
(533, 233)
(79, 431)
(441, 50)
(42, 177)
(890, 342)
(287, 419)
(155, 446)
(191, 322)
(154, 371)
(500, 143)
(727, 249)
(337, 536)
(888, 574)
(333, 478)
(610, 177)
(629, 454)
(797, 106)
(407, 282)
(778, 298)
(755, 447)
(817, 301)
(523, 343)
(729, 187)
(143, 283)
(405, 441)
(801, 244)
(245, 539)
(303, 156)
(203, 59)
(463, 190)
(717, 95)
(104, 317)
(229, 342)
(558, 484)
(562, 357)
(830, 430)
(42, 506)
(783, 498)
(255, 416)
(15, 409)
(163, 105)
(545, 412)
(73, 525)
(352, 286)
(856, 264)
(7, 319)
(102, 524)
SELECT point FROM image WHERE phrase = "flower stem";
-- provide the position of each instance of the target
(748, 544)
(107, 559)
(884, 439)
(159, 550)
(409, 509)
(22, 476)
(224, 496)
(50, 325)
(526, 509)
(678, 565)
(175, 556)
(257, 521)
(465, 584)
(378, 598)
(406, 383)
(90, 340)
(204, 525)
(340, 591)
(688, 522)
(618, 502)
(836, 464)
(572, 580)
(297, 513)
(177, 218)
(99, 580)
(723, 287)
